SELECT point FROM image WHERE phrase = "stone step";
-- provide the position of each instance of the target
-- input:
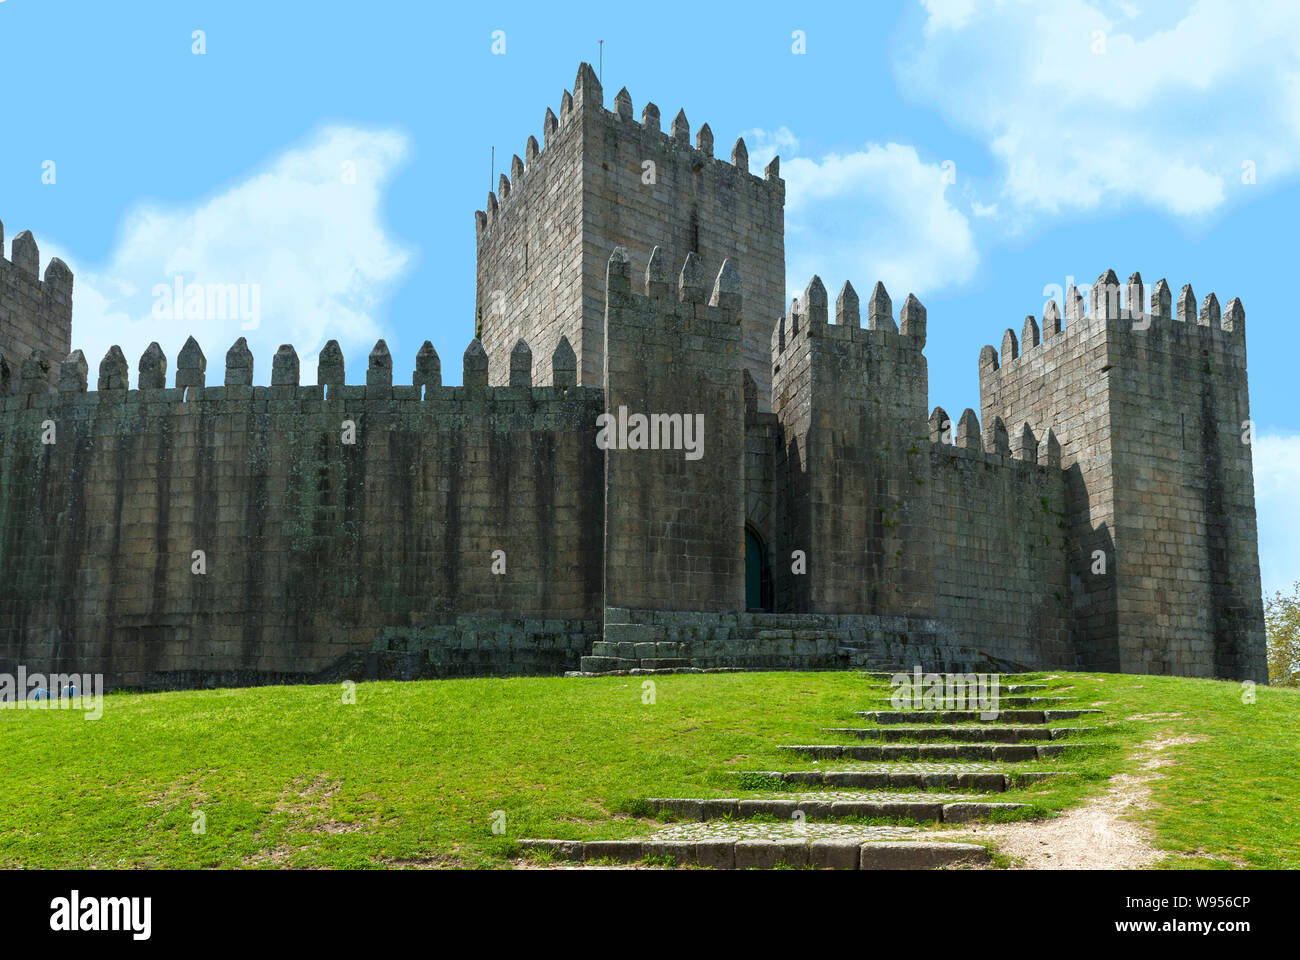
(1016, 689)
(606, 664)
(666, 663)
(1002, 752)
(962, 734)
(1003, 703)
(1052, 716)
(969, 716)
(882, 806)
(1008, 678)
(628, 633)
(890, 777)
(827, 853)
(951, 716)
(592, 666)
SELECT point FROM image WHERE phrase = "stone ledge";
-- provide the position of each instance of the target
(762, 854)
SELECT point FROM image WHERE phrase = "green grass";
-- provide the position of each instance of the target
(413, 774)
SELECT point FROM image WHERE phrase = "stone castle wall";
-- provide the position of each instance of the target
(998, 540)
(674, 524)
(853, 399)
(312, 545)
(1058, 385)
(897, 519)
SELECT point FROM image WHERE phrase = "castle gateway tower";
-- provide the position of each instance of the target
(603, 180)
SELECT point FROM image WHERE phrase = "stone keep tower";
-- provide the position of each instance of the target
(602, 180)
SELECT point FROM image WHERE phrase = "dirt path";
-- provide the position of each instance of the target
(1101, 834)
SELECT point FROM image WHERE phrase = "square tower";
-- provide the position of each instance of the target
(1152, 413)
(603, 180)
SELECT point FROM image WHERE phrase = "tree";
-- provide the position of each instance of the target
(1282, 625)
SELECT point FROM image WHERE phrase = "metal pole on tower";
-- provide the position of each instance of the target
(601, 75)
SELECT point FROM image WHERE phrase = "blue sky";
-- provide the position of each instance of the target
(1077, 136)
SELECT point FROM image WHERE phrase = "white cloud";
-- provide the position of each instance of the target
(763, 145)
(1089, 103)
(880, 213)
(313, 244)
(1276, 459)
(948, 14)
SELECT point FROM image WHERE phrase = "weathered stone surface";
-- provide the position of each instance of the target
(191, 366)
(623, 851)
(918, 855)
(284, 367)
(834, 854)
(153, 368)
(379, 372)
(239, 364)
(330, 370)
(767, 854)
(716, 854)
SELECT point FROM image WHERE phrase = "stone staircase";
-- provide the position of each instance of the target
(876, 806)
(654, 641)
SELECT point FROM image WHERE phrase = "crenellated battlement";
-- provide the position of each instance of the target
(717, 303)
(602, 178)
(994, 445)
(878, 370)
(587, 101)
(808, 319)
(35, 312)
(1222, 331)
(25, 257)
(189, 382)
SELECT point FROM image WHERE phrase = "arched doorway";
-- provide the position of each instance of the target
(758, 590)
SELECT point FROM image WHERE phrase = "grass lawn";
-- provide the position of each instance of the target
(416, 774)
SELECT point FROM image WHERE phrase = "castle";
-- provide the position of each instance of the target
(651, 464)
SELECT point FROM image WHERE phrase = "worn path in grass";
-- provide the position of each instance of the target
(1105, 833)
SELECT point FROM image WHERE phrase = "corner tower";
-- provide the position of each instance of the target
(1152, 413)
(602, 179)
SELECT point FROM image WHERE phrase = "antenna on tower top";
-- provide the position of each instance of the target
(601, 62)
(492, 173)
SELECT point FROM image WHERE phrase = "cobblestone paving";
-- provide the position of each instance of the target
(914, 766)
(869, 796)
(779, 830)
